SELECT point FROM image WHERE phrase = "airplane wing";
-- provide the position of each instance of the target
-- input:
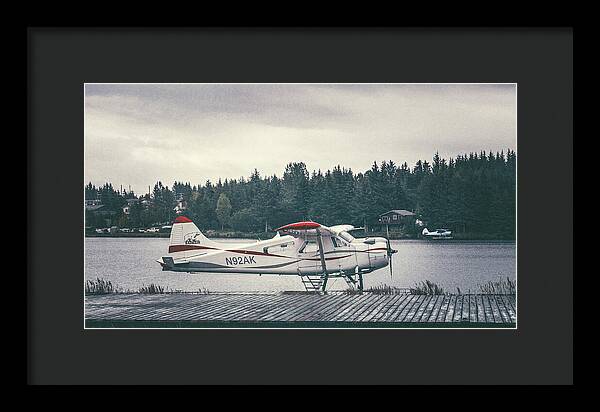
(299, 226)
(294, 229)
(341, 228)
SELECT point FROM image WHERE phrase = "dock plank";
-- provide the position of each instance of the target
(396, 309)
(326, 306)
(466, 306)
(439, 300)
(389, 305)
(450, 310)
(361, 308)
(228, 307)
(334, 312)
(509, 308)
(473, 308)
(423, 309)
(257, 308)
(503, 309)
(480, 309)
(283, 308)
(458, 308)
(291, 310)
(487, 307)
(401, 316)
(352, 317)
(356, 305)
(413, 310)
(441, 314)
(495, 310)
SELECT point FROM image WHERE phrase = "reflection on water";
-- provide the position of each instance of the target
(131, 263)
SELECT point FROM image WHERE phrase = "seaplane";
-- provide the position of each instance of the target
(308, 249)
(437, 234)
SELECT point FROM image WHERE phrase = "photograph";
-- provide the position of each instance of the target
(300, 205)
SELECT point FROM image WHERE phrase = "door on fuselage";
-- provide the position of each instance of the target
(310, 258)
(342, 249)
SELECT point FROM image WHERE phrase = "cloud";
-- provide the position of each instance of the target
(136, 134)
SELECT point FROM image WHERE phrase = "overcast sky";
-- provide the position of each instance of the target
(137, 134)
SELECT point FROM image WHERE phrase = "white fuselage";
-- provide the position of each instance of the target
(283, 255)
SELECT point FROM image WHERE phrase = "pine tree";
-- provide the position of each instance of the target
(473, 193)
(223, 210)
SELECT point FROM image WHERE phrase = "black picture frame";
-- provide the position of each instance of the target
(61, 60)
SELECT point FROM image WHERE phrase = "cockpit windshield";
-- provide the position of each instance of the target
(346, 236)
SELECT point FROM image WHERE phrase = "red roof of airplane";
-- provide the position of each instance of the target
(300, 226)
(182, 219)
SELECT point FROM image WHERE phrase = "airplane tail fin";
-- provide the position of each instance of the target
(185, 235)
(425, 231)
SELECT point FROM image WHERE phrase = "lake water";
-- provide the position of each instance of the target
(131, 263)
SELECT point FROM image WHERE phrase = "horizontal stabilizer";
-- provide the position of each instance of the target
(168, 262)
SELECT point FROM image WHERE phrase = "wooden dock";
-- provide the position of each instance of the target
(299, 310)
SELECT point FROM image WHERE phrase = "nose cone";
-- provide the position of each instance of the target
(379, 255)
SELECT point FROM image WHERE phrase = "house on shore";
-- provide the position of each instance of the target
(97, 214)
(396, 219)
(130, 203)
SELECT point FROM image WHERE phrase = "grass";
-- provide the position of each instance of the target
(151, 289)
(506, 286)
(426, 287)
(378, 290)
(501, 287)
(386, 290)
(99, 287)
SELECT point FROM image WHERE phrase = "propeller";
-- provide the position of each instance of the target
(390, 252)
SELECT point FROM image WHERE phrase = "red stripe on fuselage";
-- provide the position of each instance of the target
(183, 248)
(252, 252)
(333, 258)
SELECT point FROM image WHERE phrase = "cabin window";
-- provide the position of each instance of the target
(395, 217)
(347, 237)
(276, 248)
(337, 242)
(309, 247)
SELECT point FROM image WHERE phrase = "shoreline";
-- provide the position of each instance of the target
(269, 235)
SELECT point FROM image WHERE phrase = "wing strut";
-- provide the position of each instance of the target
(322, 253)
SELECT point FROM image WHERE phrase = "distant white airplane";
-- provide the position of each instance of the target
(438, 234)
(306, 249)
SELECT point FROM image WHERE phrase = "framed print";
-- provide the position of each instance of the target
(231, 200)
